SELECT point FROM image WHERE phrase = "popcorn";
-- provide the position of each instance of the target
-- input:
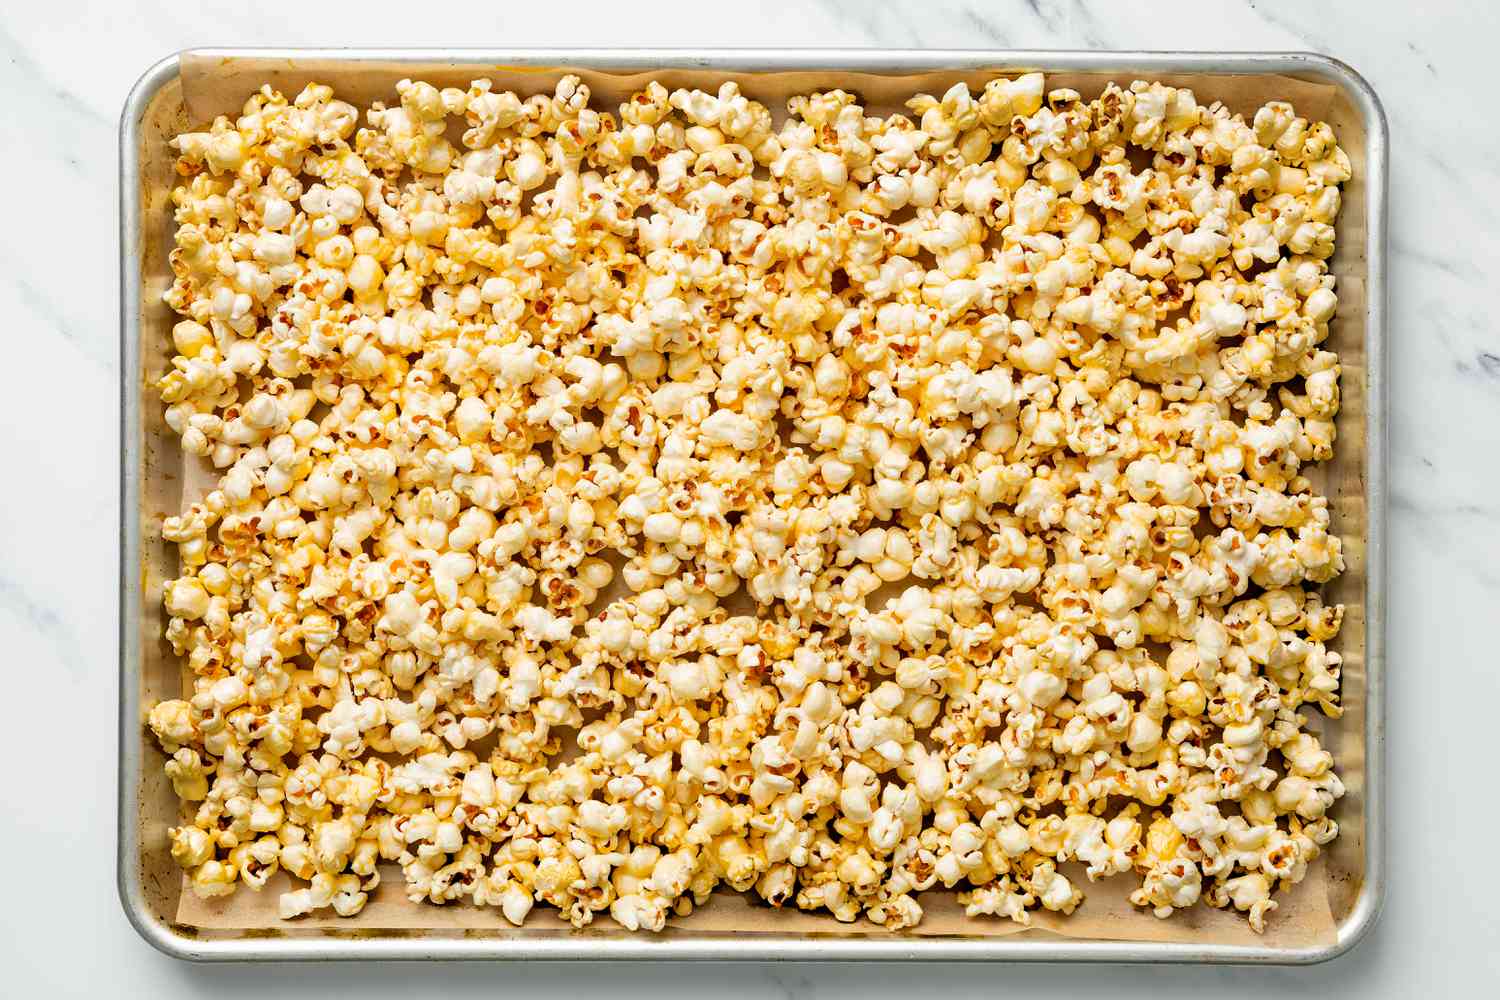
(602, 518)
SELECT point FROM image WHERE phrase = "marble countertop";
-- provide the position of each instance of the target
(65, 67)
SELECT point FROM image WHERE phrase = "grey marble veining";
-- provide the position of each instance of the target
(64, 70)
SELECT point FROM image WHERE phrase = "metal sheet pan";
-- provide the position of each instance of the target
(151, 466)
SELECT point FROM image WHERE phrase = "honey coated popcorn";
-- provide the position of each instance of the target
(612, 505)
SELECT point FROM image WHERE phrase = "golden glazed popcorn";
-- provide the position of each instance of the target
(615, 505)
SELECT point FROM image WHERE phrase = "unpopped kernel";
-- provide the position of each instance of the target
(615, 505)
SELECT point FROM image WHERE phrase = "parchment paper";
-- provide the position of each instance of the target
(214, 85)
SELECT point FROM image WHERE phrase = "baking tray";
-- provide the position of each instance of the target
(151, 469)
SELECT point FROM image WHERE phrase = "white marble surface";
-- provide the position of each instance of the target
(65, 67)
